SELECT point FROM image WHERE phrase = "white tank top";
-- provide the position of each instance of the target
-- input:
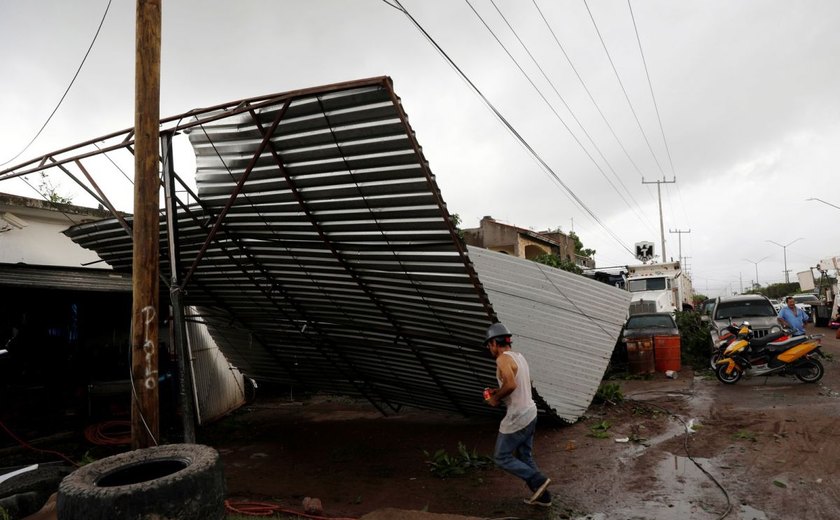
(521, 409)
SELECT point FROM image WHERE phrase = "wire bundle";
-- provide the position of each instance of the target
(109, 433)
(251, 508)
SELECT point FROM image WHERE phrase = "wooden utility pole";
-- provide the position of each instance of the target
(145, 420)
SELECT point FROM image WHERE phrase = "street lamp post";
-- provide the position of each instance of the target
(824, 202)
(756, 267)
(784, 251)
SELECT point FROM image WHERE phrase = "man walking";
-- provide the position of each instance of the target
(515, 443)
(793, 317)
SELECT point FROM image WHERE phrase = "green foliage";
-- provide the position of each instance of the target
(698, 298)
(579, 249)
(443, 465)
(599, 430)
(609, 393)
(695, 340)
(456, 221)
(745, 435)
(776, 291)
(50, 191)
(555, 261)
(4, 515)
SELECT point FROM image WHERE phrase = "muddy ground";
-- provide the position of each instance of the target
(766, 448)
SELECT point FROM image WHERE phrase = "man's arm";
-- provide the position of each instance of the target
(506, 369)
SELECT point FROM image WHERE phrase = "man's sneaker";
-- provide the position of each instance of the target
(539, 492)
(544, 500)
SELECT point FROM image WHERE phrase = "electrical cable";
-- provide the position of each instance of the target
(585, 88)
(687, 452)
(256, 508)
(626, 96)
(636, 209)
(66, 91)
(109, 433)
(28, 446)
(546, 168)
(650, 86)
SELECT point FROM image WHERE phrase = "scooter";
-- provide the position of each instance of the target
(733, 332)
(750, 357)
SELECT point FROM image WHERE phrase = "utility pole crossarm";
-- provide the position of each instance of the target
(679, 233)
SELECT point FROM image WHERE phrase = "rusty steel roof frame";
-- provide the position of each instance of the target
(321, 253)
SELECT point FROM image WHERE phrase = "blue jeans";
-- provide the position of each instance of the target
(514, 454)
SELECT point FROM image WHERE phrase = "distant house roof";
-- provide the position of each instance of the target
(335, 263)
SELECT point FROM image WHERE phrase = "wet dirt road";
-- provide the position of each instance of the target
(769, 448)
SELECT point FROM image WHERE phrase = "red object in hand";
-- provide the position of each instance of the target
(487, 394)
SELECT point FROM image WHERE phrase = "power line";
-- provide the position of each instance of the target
(585, 88)
(650, 86)
(626, 96)
(76, 75)
(638, 213)
(656, 107)
(546, 168)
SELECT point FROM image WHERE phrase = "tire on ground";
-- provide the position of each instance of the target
(176, 481)
(42, 482)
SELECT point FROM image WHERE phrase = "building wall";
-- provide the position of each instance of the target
(31, 233)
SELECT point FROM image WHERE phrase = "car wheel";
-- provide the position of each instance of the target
(183, 481)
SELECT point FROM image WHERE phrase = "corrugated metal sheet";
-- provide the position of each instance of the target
(219, 386)
(337, 266)
(565, 324)
(78, 279)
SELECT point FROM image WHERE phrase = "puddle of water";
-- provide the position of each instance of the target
(749, 513)
(681, 476)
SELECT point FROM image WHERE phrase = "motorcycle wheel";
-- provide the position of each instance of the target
(810, 371)
(728, 379)
(714, 359)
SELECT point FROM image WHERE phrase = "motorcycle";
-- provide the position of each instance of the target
(732, 332)
(771, 355)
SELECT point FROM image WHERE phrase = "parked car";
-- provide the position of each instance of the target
(754, 308)
(650, 324)
(776, 305)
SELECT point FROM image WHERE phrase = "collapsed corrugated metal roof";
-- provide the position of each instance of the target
(322, 254)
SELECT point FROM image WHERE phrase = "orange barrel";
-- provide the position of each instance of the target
(666, 352)
(640, 356)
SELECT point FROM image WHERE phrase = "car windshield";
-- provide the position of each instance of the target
(744, 309)
(647, 322)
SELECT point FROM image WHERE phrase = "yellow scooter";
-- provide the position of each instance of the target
(746, 356)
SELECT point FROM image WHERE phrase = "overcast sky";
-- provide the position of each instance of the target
(746, 91)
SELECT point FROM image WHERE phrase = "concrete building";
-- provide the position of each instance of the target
(524, 243)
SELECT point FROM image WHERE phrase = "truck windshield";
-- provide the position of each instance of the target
(647, 284)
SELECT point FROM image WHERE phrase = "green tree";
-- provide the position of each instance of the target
(456, 221)
(579, 249)
(49, 191)
(553, 260)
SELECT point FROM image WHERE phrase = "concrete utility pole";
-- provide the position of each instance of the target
(784, 250)
(679, 233)
(661, 224)
(145, 416)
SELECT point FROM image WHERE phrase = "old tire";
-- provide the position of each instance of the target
(176, 481)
